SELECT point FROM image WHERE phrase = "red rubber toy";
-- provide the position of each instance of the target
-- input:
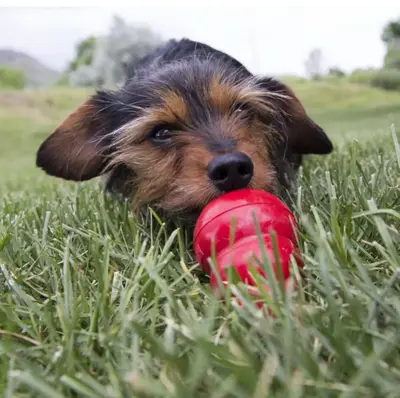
(234, 212)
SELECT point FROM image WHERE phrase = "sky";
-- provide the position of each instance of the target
(270, 39)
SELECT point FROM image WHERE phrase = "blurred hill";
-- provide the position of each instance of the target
(36, 73)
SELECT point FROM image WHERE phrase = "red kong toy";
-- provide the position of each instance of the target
(236, 213)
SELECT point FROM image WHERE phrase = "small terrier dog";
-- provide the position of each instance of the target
(190, 123)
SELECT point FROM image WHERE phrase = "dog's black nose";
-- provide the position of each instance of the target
(231, 171)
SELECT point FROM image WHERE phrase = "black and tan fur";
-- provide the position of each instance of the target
(202, 103)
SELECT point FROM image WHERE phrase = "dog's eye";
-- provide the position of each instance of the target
(161, 134)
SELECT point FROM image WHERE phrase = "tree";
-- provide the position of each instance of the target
(391, 31)
(314, 64)
(336, 71)
(391, 37)
(12, 78)
(113, 54)
(84, 53)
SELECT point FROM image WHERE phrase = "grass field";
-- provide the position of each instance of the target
(96, 303)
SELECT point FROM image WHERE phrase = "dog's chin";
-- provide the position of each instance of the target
(184, 214)
(185, 218)
(179, 219)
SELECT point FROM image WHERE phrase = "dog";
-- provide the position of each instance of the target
(189, 124)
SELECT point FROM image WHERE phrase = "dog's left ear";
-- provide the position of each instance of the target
(303, 135)
(77, 149)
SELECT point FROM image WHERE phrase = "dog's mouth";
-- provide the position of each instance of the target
(186, 212)
(189, 216)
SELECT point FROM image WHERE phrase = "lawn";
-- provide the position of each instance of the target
(97, 303)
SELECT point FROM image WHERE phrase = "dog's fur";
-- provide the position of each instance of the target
(182, 105)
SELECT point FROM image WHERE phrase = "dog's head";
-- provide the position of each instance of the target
(183, 134)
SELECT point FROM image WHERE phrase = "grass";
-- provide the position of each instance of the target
(26, 119)
(98, 303)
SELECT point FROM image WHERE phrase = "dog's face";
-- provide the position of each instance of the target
(185, 134)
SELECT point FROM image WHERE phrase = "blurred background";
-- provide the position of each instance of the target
(342, 61)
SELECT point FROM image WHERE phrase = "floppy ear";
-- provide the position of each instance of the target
(74, 151)
(303, 135)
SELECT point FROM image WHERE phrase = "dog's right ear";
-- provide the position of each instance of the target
(303, 135)
(75, 151)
